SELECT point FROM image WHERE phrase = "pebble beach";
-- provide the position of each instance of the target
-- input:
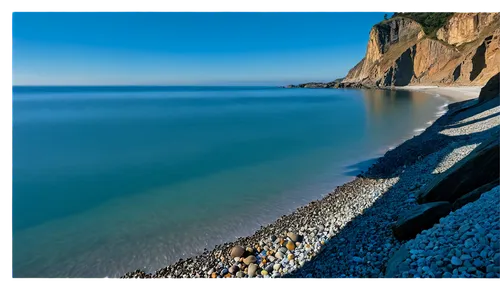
(348, 232)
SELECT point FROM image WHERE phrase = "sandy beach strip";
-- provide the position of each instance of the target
(348, 232)
(458, 93)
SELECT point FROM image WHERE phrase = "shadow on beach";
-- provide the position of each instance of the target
(357, 249)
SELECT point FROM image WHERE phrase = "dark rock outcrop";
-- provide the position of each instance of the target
(491, 89)
(420, 218)
(332, 84)
(478, 168)
(474, 195)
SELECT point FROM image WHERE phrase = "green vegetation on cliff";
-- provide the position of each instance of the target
(431, 22)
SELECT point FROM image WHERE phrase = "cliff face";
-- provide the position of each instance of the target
(466, 52)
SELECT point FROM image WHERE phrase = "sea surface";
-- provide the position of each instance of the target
(108, 180)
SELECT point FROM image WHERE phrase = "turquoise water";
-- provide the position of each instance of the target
(109, 180)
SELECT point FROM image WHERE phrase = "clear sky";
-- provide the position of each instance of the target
(186, 48)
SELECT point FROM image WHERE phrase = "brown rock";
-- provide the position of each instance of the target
(466, 52)
(491, 89)
(474, 195)
(465, 27)
(250, 259)
(237, 251)
(478, 168)
(290, 245)
(420, 218)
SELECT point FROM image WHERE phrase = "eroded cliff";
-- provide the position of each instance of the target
(464, 51)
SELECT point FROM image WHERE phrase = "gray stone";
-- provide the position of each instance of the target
(456, 261)
(465, 257)
(252, 269)
(477, 262)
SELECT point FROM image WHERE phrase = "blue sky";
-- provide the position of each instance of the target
(186, 48)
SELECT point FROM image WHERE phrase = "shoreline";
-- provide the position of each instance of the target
(458, 93)
(352, 222)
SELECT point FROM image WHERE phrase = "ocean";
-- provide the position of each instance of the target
(108, 180)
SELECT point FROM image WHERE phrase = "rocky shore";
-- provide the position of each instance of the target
(332, 84)
(351, 231)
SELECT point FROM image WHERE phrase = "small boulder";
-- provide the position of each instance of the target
(420, 218)
(290, 245)
(252, 269)
(233, 269)
(476, 169)
(237, 251)
(250, 259)
(474, 195)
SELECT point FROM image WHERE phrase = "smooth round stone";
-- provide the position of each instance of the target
(465, 257)
(290, 245)
(282, 250)
(237, 251)
(240, 274)
(271, 258)
(252, 269)
(456, 261)
(250, 259)
(279, 255)
(263, 273)
(447, 275)
(477, 263)
(277, 266)
(233, 269)
(224, 272)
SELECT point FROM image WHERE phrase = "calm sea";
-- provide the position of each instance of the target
(112, 179)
